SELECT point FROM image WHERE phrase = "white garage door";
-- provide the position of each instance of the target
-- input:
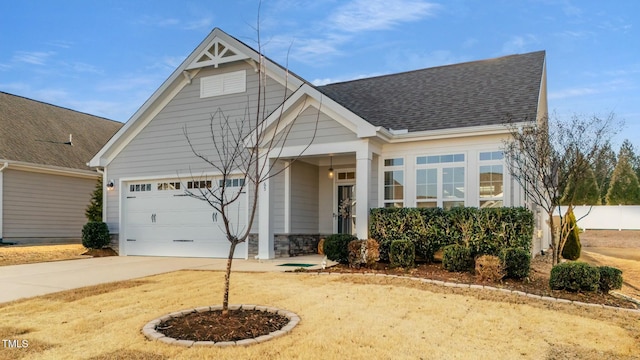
(160, 220)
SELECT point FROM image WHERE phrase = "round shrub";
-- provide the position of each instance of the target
(95, 235)
(402, 253)
(489, 267)
(574, 276)
(610, 278)
(336, 247)
(516, 262)
(572, 247)
(456, 257)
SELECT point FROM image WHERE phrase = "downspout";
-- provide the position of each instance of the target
(4, 166)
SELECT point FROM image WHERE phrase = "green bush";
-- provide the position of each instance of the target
(572, 247)
(483, 231)
(456, 257)
(610, 278)
(95, 235)
(516, 262)
(574, 276)
(336, 247)
(402, 254)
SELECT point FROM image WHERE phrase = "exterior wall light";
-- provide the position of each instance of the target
(111, 185)
(331, 167)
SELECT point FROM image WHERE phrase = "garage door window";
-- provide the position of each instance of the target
(139, 187)
(231, 182)
(169, 186)
(203, 184)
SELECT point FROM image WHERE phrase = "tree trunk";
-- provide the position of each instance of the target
(554, 239)
(227, 275)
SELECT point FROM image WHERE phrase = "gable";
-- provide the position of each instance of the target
(316, 127)
(215, 53)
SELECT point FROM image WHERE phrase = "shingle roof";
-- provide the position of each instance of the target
(468, 94)
(36, 132)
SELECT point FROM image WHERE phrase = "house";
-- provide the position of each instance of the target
(45, 183)
(423, 138)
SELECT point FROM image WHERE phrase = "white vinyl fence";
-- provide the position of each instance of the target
(601, 217)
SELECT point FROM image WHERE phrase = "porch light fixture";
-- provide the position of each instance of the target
(331, 167)
(111, 185)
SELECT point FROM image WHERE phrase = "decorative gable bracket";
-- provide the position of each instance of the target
(216, 53)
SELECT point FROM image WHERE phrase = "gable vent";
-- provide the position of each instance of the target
(223, 84)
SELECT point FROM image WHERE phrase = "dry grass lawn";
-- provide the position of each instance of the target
(15, 255)
(625, 259)
(355, 317)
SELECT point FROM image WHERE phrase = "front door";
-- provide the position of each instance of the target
(346, 208)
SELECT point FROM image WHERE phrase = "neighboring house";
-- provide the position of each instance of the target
(45, 183)
(422, 138)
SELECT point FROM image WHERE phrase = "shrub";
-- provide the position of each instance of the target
(574, 276)
(610, 278)
(321, 246)
(402, 253)
(336, 247)
(95, 235)
(572, 247)
(363, 252)
(94, 209)
(516, 262)
(489, 267)
(456, 257)
(372, 254)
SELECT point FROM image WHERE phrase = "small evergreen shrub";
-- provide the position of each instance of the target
(572, 247)
(574, 276)
(95, 235)
(402, 253)
(456, 257)
(336, 247)
(516, 262)
(94, 209)
(610, 278)
(489, 267)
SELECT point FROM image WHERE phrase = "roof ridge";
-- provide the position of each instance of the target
(58, 106)
(432, 67)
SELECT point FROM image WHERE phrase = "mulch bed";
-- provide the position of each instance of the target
(212, 326)
(101, 252)
(537, 283)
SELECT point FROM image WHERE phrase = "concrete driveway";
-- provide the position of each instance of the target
(22, 281)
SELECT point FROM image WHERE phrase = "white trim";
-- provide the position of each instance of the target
(4, 166)
(287, 197)
(48, 169)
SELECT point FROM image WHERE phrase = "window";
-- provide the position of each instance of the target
(440, 181)
(169, 186)
(346, 175)
(231, 182)
(139, 187)
(394, 182)
(491, 179)
(223, 84)
(202, 184)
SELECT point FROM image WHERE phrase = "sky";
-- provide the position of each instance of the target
(107, 57)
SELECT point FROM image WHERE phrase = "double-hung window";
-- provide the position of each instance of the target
(440, 180)
(491, 176)
(394, 182)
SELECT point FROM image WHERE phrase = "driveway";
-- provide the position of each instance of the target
(22, 281)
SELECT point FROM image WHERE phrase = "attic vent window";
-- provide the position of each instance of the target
(223, 84)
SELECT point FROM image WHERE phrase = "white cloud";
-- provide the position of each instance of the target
(33, 57)
(325, 81)
(364, 15)
(203, 23)
(519, 44)
(572, 92)
(159, 21)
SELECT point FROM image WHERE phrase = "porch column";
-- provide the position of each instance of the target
(265, 227)
(363, 182)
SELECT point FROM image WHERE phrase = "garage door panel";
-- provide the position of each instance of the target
(167, 223)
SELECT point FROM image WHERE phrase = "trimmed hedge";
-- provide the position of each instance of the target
(516, 262)
(456, 257)
(483, 231)
(95, 235)
(574, 276)
(402, 254)
(610, 278)
(336, 247)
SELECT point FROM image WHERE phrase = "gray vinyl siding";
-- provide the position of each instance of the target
(318, 128)
(304, 198)
(44, 206)
(161, 148)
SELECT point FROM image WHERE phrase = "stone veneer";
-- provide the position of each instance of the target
(286, 245)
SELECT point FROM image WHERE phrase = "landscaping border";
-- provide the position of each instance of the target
(490, 288)
(149, 330)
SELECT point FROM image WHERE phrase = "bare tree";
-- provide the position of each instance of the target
(545, 156)
(244, 151)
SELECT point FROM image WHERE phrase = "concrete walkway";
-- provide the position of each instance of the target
(23, 281)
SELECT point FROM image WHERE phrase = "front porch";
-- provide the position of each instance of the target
(312, 197)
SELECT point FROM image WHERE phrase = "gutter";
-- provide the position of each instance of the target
(4, 166)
